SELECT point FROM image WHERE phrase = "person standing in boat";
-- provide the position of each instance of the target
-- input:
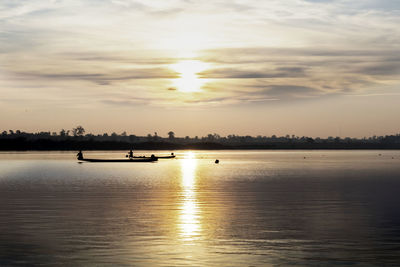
(80, 155)
(130, 154)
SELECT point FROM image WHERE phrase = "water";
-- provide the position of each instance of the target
(255, 208)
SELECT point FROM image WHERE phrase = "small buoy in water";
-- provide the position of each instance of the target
(304, 157)
(216, 161)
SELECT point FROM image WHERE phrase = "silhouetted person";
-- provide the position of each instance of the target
(130, 154)
(153, 157)
(172, 154)
(80, 155)
(216, 161)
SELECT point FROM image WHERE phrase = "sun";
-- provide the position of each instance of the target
(189, 80)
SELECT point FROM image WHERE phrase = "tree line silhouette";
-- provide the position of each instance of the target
(77, 138)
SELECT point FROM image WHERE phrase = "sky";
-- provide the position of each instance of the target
(303, 67)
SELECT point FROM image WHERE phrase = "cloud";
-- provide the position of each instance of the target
(258, 51)
(326, 69)
(216, 100)
(388, 69)
(291, 91)
(247, 55)
(231, 73)
(127, 102)
(103, 78)
(319, 1)
(139, 58)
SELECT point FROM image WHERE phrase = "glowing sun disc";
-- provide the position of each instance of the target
(189, 80)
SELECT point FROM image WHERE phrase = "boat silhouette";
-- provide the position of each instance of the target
(159, 157)
(128, 160)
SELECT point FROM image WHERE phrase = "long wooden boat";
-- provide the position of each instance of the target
(159, 157)
(121, 160)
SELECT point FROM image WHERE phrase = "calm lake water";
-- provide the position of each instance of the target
(254, 208)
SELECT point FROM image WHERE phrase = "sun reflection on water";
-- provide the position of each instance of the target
(189, 219)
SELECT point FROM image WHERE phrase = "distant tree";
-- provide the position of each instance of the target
(123, 133)
(18, 132)
(149, 137)
(63, 133)
(171, 135)
(4, 133)
(78, 131)
(43, 134)
(11, 131)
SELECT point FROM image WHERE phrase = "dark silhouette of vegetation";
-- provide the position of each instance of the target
(77, 139)
(78, 131)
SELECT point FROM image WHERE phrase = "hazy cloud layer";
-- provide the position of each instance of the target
(329, 71)
(123, 52)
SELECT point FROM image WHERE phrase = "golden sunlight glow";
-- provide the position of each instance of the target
(188, 71)
(189, 212)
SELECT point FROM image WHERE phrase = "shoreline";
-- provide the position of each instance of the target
(199, 149)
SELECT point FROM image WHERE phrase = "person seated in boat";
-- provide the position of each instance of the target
(130, 154)
(80, 155)
(152, 157)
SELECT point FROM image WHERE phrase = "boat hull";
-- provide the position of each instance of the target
(166, 157)
(121, 160)
(159, 157)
